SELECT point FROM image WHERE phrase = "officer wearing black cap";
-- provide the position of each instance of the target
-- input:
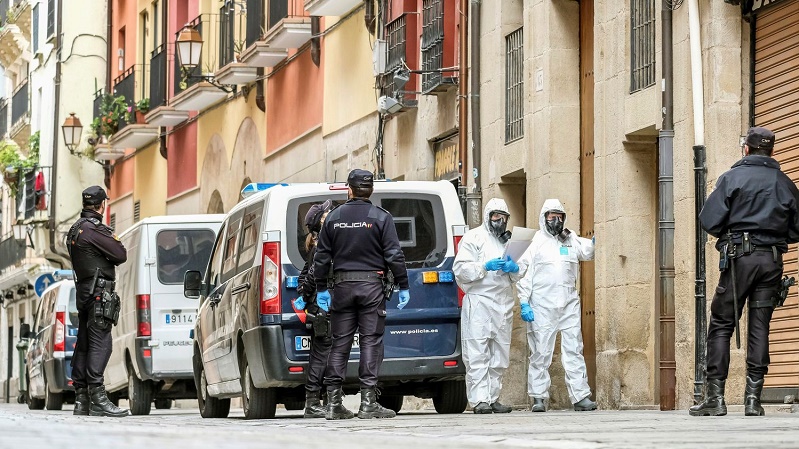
(361, 239)
(754, 213)
(95, 252)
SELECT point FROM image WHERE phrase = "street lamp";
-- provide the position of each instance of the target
(72, 129)
(190, 46)
(23, 231)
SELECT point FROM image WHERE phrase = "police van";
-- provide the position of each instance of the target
(151, 358)
(250, 342)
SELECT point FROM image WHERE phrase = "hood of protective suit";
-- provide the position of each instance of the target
(549, 205)
(492, 205)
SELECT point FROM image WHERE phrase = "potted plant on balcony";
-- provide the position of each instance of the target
(112, 110)
(141, 108)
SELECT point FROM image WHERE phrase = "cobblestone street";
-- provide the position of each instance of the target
(178, 428)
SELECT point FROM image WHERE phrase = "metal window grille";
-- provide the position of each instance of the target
(35, 31)
(642, 44)
(514, 86)
(112, 221)
(432, 42)
(136, 211)
(396, 47)
(50, 18)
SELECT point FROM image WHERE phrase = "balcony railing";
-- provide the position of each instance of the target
(3, 118)
(19, 104)
(158, 77)
(98, 102)
(12, 252)
(32, 194)
(255, 27)
(125, 85)
(227, 34)
(278, 10)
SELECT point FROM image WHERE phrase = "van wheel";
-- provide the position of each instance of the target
(210, 407)
(113, 397)
(391, 402)
(52, 401)
(140, 394)
(258, 403)
(451, 397)
(33, 403)
(163, 404)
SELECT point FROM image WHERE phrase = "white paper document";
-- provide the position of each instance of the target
(520, 239)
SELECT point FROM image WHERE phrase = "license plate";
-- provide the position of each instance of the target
(303, 342)
(180, 318)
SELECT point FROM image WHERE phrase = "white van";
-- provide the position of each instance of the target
(152, 352)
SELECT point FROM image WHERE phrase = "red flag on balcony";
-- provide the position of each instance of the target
(40, 192)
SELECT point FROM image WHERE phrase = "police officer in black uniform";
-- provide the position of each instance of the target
(361, 241)
(754, 212)
(95, 252)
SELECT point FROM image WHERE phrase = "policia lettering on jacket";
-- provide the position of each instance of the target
(754, 212)
(95, 252)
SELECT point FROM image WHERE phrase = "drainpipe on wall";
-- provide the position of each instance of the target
(51, 222)
(475, 197)
(463, 95)
(700, 177)
(667, 367)
(369, 16)
(260, 98)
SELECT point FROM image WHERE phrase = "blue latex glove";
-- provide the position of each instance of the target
(299, 303)
(527, 313)
(593, 240)
(323, 300)
(404, 297)
(495, 264)
(510, 266)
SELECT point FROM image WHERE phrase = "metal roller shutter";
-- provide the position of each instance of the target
(776, 102)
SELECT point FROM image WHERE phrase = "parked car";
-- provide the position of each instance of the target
(250, 342)
(52, 343)
(151, 359)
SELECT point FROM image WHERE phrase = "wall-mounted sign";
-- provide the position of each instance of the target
(447, 164)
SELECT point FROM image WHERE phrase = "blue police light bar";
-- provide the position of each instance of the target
(255, 187)
(63, 274)
(292, 281)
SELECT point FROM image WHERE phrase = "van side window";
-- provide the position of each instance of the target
(181, 250)
(250, 235)
(215, 265)
(415, 220)
(231, 247)
(295, 225)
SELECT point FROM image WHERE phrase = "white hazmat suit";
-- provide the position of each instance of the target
(550, 287)
(487, 313)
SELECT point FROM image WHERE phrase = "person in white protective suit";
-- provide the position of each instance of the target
(550, 304)
(486, 277)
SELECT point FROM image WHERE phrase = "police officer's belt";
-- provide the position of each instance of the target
(341, 276)
(767, 249)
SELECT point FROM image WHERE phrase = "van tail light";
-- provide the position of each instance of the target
(58, 332)
(270, 279)
(456, 239)
(143, 316)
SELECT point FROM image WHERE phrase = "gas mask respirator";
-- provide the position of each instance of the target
(499, 229)
(555, 226)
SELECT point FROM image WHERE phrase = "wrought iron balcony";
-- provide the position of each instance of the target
(12, 252)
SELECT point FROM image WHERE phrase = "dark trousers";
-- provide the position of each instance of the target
(92, 350)
(317, 362)
(757, 278)
(361, 306)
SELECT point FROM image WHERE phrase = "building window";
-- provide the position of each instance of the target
(432, 42)
(514, 86)
(136, 211)
(395, 39)
(50, 18)
(642, 44)
(35, 31)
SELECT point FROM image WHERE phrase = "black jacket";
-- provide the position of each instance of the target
(359, 236)
(94, 246)
(753, 196)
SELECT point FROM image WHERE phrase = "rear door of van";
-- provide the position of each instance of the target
(173, 250)
(429, 325)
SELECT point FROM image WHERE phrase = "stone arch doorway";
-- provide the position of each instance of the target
(215, 205)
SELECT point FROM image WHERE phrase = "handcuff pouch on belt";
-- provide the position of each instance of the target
(320, 323)
(107, 303)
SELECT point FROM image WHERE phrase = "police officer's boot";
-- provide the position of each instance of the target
(313, 406)
(714, 400)
(752, 405)
(370, 408)
(102, 406)
(81, 402)
(336, 409)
